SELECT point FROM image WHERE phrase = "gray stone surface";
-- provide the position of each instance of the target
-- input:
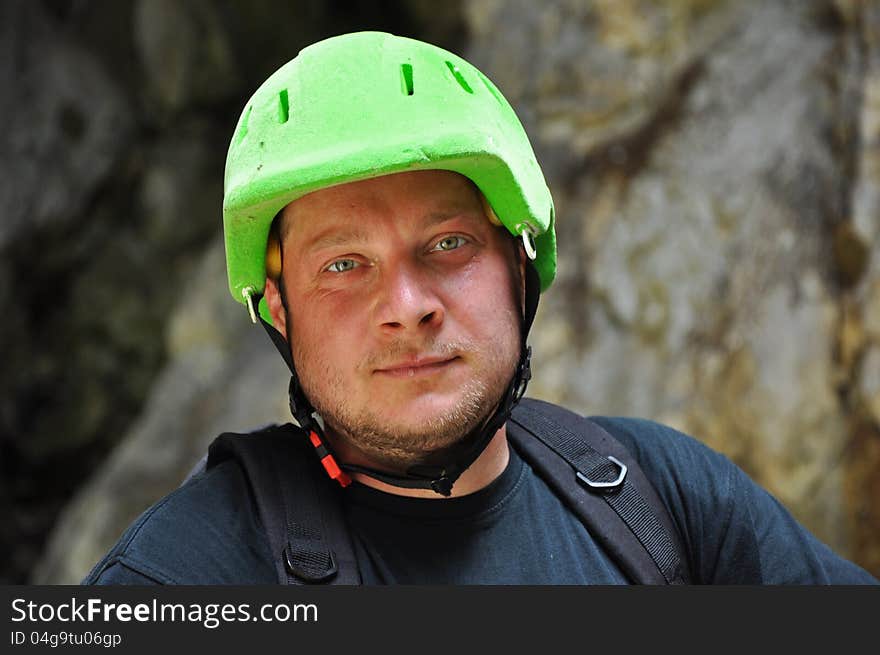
(65, 123)
(223, 375)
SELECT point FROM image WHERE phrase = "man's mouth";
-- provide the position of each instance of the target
(414, 367)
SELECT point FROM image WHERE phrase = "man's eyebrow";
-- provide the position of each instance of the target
(438, 217)
(330, 238)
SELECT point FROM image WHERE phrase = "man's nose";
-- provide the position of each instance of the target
(408, 300)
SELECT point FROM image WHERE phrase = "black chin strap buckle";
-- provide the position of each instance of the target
(442, 486)
(523, 375)
(293, 394)
(299, 406)
(437, 479)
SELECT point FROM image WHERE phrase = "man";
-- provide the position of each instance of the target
(385, 216)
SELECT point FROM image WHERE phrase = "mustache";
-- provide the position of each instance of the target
(399, 349)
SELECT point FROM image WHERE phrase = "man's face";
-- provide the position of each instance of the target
(403, 312)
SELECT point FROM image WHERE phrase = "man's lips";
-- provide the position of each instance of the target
(416, 367)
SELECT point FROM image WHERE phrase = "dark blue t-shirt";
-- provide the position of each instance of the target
(514, 531)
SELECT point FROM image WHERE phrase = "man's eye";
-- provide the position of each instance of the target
(450, 243)
(341, 265)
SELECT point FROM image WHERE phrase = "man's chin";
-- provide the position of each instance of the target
(419, 427)
(407, 426)
(431, 412)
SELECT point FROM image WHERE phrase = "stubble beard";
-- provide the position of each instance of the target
(396, 447)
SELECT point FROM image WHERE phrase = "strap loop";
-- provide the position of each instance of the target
(309, 566)
(602, 485)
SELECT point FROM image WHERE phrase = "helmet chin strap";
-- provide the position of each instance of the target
(436, 477)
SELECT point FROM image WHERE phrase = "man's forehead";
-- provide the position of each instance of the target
(427, 196)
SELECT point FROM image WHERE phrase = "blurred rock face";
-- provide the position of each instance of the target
(715, 170)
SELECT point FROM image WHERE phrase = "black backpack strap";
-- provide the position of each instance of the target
(299, 507)
(604, 485)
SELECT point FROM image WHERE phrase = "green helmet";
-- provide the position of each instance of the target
(367, 104)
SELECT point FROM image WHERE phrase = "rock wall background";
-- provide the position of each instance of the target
(716, 171)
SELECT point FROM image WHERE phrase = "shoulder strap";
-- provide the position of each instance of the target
(299, 508)
(603, 484)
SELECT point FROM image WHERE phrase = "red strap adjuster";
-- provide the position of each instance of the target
(328, 461)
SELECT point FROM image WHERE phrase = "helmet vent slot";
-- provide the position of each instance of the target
(283, 106)
(243, 126)
(406, 78)
(459, 77)
(492, 89)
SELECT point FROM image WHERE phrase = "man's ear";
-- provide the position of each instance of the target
(272, 294)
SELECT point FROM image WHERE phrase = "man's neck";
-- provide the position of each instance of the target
(486, 468)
